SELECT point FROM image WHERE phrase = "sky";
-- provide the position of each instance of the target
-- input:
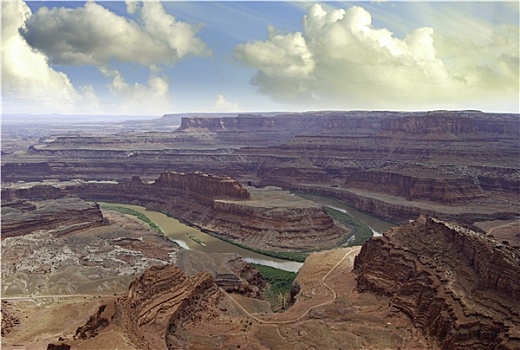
(153, 58)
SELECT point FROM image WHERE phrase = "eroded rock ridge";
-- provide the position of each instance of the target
(63, 216)
(459, 165)
(160, 300)
(271, 219)
(460, 287)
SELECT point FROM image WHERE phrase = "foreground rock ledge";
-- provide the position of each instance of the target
(461, 288)
(265, 219)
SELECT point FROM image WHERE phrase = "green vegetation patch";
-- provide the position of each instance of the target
(291, 256)
(280, 284)
(128, 211)
(359, 229)
(196, 239)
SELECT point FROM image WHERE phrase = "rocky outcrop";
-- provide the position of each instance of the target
(460, 287)
(441, 158)
(230, 271)
(455, 123)
(9, 318)
(61, 216)
(270, 219)
(251, 281)
(95, 324)
(438, 188)
(203, 187)
(160, 300)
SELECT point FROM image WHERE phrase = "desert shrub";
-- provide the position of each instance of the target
(359, 229)
(280, 284)
(128, 211)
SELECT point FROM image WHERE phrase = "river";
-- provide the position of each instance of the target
(181, 233)
(376, 225)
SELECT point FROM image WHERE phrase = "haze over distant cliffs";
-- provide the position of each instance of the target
(458, 164)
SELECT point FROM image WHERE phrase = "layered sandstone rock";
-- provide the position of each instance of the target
(204, 187)
(456, 123)
(229, 271)
(461, 288)
(266, 219)
(61, 216)
(438, 158)
(160, 300)
(438, 188)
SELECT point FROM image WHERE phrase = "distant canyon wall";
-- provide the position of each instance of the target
(454, 159)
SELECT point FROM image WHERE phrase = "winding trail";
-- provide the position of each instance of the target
(349, 252)
(334, 296)
(504, 225)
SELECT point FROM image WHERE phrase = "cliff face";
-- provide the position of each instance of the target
(446, 158)
(158, 301)
(337, 122)
(456, 123)
(272, 220)
(275, 229)
(62, 216)
(439, 188)
(204, 187)
(461, 288)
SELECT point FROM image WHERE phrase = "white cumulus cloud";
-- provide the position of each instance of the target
(152, 98)
(340, 60)
(91, 35)
(94, 35)
(29, 84)
(223, 105)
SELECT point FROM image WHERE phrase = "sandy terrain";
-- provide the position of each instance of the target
(98, 261)
(503, 230)
(328, 314)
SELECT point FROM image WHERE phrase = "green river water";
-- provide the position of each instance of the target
(181, 233)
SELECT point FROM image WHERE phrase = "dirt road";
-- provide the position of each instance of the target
(350, 252)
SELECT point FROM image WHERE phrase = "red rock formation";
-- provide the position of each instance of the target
(95, 324)
(460, 287)
(217, 204)
(160, 300)
(61, 216)
(440, 157)
(275, 228)
(434, 123)
(436, 188)
(204, 187)
(229, 271)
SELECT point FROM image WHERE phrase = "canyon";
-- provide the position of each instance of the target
(427, 284)
(460, 165)
(166, 308)
(72, 247)
(77, 276)
(267, 219)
